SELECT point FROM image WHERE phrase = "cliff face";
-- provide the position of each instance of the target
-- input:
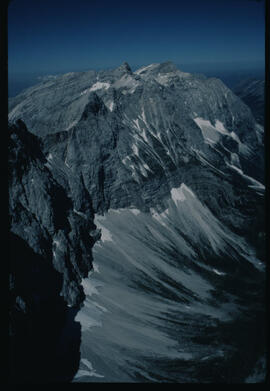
(45, 215)
(252, 92)
(95, 141)
(125, 139)
(50, 252)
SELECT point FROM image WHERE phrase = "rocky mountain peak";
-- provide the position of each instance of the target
(164, 169)
(123, 69)
(166, 67)
(161, 72)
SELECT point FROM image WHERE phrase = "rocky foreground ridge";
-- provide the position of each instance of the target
(50, 252)
(87, 142)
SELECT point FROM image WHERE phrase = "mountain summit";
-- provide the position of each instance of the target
(164, 170)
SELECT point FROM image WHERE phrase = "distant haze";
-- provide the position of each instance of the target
(57, 36)
(230, 74)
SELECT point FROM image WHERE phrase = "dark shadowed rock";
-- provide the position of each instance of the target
(252, 92)
(50, 252)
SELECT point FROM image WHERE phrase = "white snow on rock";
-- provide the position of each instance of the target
(135, 211)
(49, 157)
(212, 133)
(105, 233)
(127, 82)
(110, 105)
(220, 127)
(91, 317)
(253, 182)
(90, 371)
(147, 68)
(71, 125)
(178, 194)
(147, 167)
(99, 85)
(218, 272)
(142, 131)
(160, 217)
(80, 213)
(209, 132)
(235, 137)
(68, 74)
(143, 170)
(56, 243)
(125, 160)
(163, 79)
(89, 287)
(135, 149)
(236, 168)
(235, 159)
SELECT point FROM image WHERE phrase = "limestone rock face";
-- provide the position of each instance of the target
(132, 136)
(87, 142)
(251, 91)
(44, 215)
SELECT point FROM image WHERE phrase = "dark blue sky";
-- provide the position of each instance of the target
(49, 36)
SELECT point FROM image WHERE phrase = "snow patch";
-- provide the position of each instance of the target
(220, 127)
(147, 167)
(160, 217)
(80, 213)
(99, 85)
(141, 130)
(147, 68)
(218, 272)
(143, 171)
(163, 79)
(177, 194)
(135, 149)
(90, 286)
(72, 124)
(110, 105)
(235, 159)
(135, 211)
(235, 137)
(212, 133)
(253, 182)
(105, 234)
(91, 371)
(56, 243)
(125, 160)
(236, 168)
(50, 157)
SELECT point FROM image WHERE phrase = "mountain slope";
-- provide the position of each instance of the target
(186, 156)
(251, 91)
(173, 297)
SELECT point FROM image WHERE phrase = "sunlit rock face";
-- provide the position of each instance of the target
(168, 168)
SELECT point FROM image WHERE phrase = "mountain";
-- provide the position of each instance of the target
(50, 252)
(251, 91)
(167, 167)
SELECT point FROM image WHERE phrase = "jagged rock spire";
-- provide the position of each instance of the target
(124, 68)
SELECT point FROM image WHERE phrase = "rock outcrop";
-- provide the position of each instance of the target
(50, 252)
(252, 92)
